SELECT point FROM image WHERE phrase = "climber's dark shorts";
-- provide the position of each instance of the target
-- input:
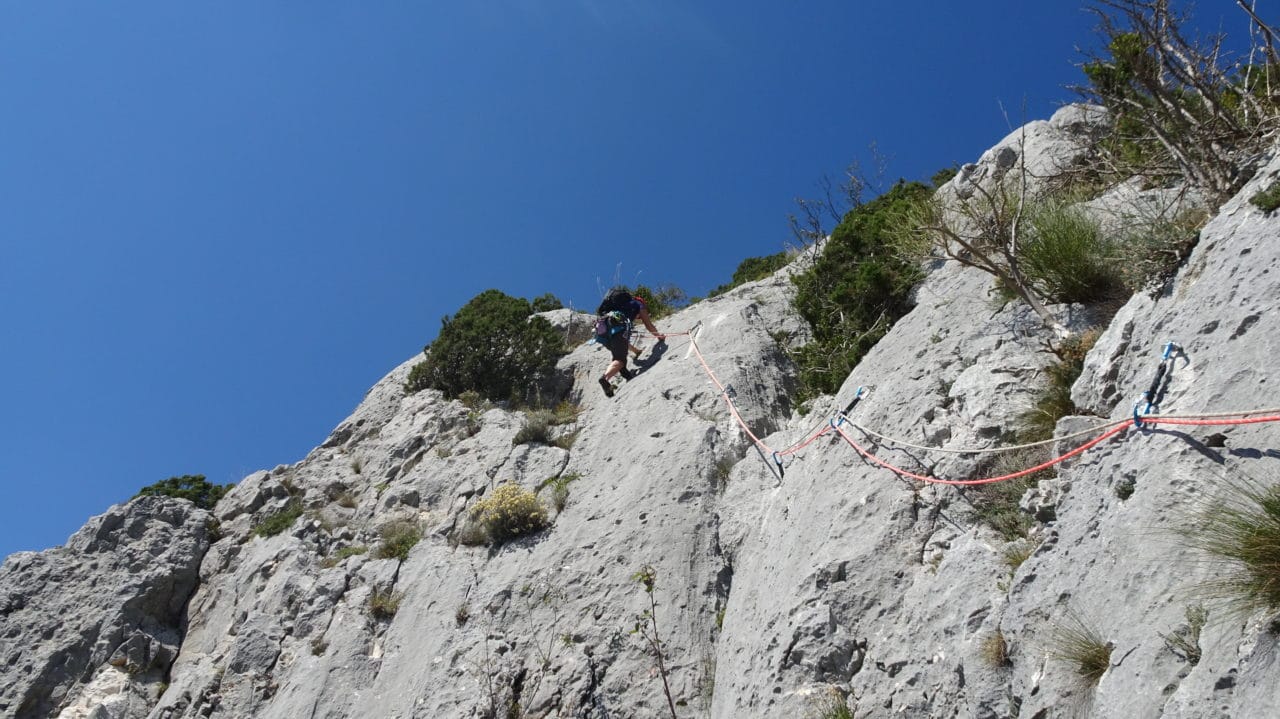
(618, 346)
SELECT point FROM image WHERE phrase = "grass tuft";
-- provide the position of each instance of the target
(1068, 259)
(994, 650)
(1240, 530)
(384, 603)
(1018, 552)
(830, 705)
(1081, 647)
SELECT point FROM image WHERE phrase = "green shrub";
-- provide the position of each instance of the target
(1081, 647)
(509, 512)
(752, 269)
(280, 520)
(1268, 199)
(1067, 258)
(384, 603)
(546, 303)
(1241, 530)
(663, 300)
(943, 176)
(192, 487)
(492, 347)
(854, 291)
(397, 539)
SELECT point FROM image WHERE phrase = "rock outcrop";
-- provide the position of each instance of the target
(775, 592)
(91, 629)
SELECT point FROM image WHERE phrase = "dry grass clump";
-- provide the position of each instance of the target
(384, 603)
(994, 650)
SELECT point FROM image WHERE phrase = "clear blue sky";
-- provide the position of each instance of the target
(221, 223)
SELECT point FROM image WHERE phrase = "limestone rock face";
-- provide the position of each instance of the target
(775, 589)
(90, 629)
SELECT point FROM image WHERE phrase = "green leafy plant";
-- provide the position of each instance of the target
(192, 487)
(559, 486)
(508, 512)
(1267, 199)
(1081, 647)
(854, 291)
(492, 347)
(1240, 530)
(752, 269)
(398, 538)
(646, 625)
(384, 603)
(279, 520)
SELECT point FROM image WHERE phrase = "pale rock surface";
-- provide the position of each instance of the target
(95, 625)
(775, 591)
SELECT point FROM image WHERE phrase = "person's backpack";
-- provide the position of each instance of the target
(609, 324)
(616, 301)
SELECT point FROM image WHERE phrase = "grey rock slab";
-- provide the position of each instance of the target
(92, 627)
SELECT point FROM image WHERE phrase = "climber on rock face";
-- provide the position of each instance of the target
(613, 330)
